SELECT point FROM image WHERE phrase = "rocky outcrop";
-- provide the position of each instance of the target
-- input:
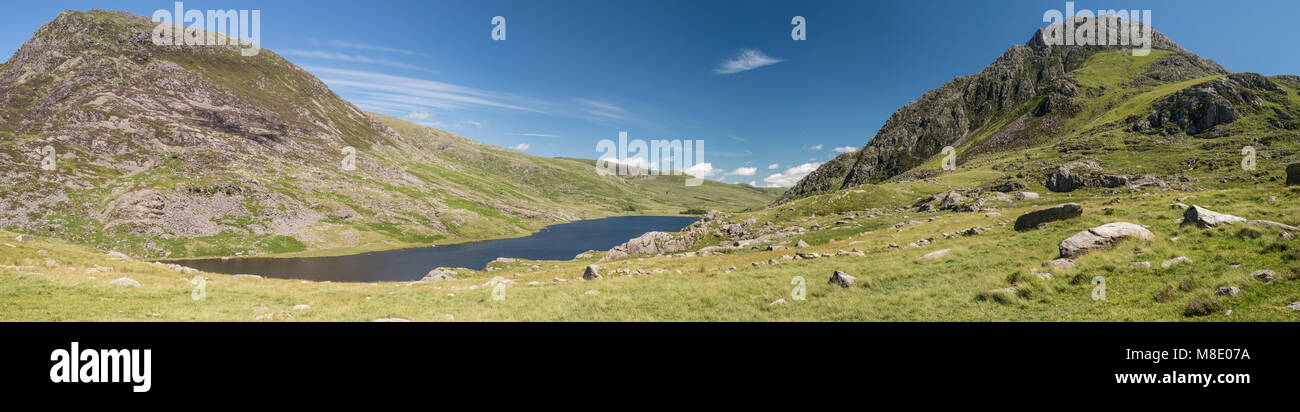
(842, 279)
(438, 275)
(1206, 218)
(1201, 107)
(1101, 238)
(592, 272)
(1080, 174)
(1032, 220)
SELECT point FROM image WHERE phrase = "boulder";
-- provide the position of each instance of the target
(1264, 275)
(1228, 291)
(937, 254)
(124, 282)
(1275, 225)
(1101, 238)
(439, 274)
(1062, 263)
(1080, 174)
(301, 307)
(1294, 306)
(1207, 218)
(843, 279)
(1140, 265)
(23, 238)
(591, 273)
(1032, 220)
(1026, 196)
(801, 243)
(1175, 261)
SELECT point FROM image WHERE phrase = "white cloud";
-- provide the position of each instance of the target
(327, 55)
(434, 123)
(362, 46)
(846, 149)
(817, 147)
(747, 59)
(791, 176)
(521, 147)
(420, 115)
(743, 171)
(603, 109)
(700, 170)
(753, 183)
(384, 92)
(774, 166)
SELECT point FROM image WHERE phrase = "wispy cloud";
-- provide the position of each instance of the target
(537, 134)
(816, 147)
(327, 55)
(602, 109)
(846, 149)
(398, 94)
(774, 166)
(420, 115)
(791, 176)
(747, 59)
(344, 44)
(738, 138)
(522, 147)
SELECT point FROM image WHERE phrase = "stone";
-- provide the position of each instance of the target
(448, 316)
(1080, 174)
(117, 256)
(1228, 291)
(1140, 265)
(1294, 306)
(438, 275)
(1101, 238)
(301, 307)
(777, 302)
(23, 238)
(937, 254)
(1207, 218)
(1026, 196)
(591, 273)
(801, 243)
(1032, 220)
(124, 282)
(1264, 275)
(1175, 261)
(1062, 263)
(592, 292)
(1275, 225)
(842, 279)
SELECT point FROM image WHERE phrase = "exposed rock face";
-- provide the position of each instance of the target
(438, 275)
(1201, 107)
(1293, 174)
(1206, 218)
(1032, 220)
(1101, 238)
(1264, 275)
(842, 279)
(1081, 174)
(648, 244)
(1175, 261)
(957, 111)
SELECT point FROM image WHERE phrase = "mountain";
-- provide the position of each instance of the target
(1036, 94)
(183, 151)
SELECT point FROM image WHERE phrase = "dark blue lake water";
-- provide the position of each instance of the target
(557, 242)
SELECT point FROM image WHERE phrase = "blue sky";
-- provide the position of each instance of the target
(571, 73)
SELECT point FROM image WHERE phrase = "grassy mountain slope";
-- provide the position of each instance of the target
(186, 151)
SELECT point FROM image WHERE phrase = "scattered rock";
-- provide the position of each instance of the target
(1175, 261)
(1044, 275)
(1032, 220)
(1264, 275)
(1275, 225)
(98, 268)
(777, 302)
(1206, 218)
(801, 243)
(1080, 174)
(1062, 263)
(1140, 265)
(592, 292)
(124, 282)
(775, 248)
(1026, 196)
(1102, 237)
(117, 256)
(842, 279)
(1228, 291)
(23, 238)
(937, 254)
(583, 256)
(1294, 306)
(301, 307)
(591, 273)
(260, 309)
(438, 275)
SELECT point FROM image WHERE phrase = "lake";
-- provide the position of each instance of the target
(556, 242)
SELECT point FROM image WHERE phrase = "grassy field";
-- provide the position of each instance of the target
(893, 284)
